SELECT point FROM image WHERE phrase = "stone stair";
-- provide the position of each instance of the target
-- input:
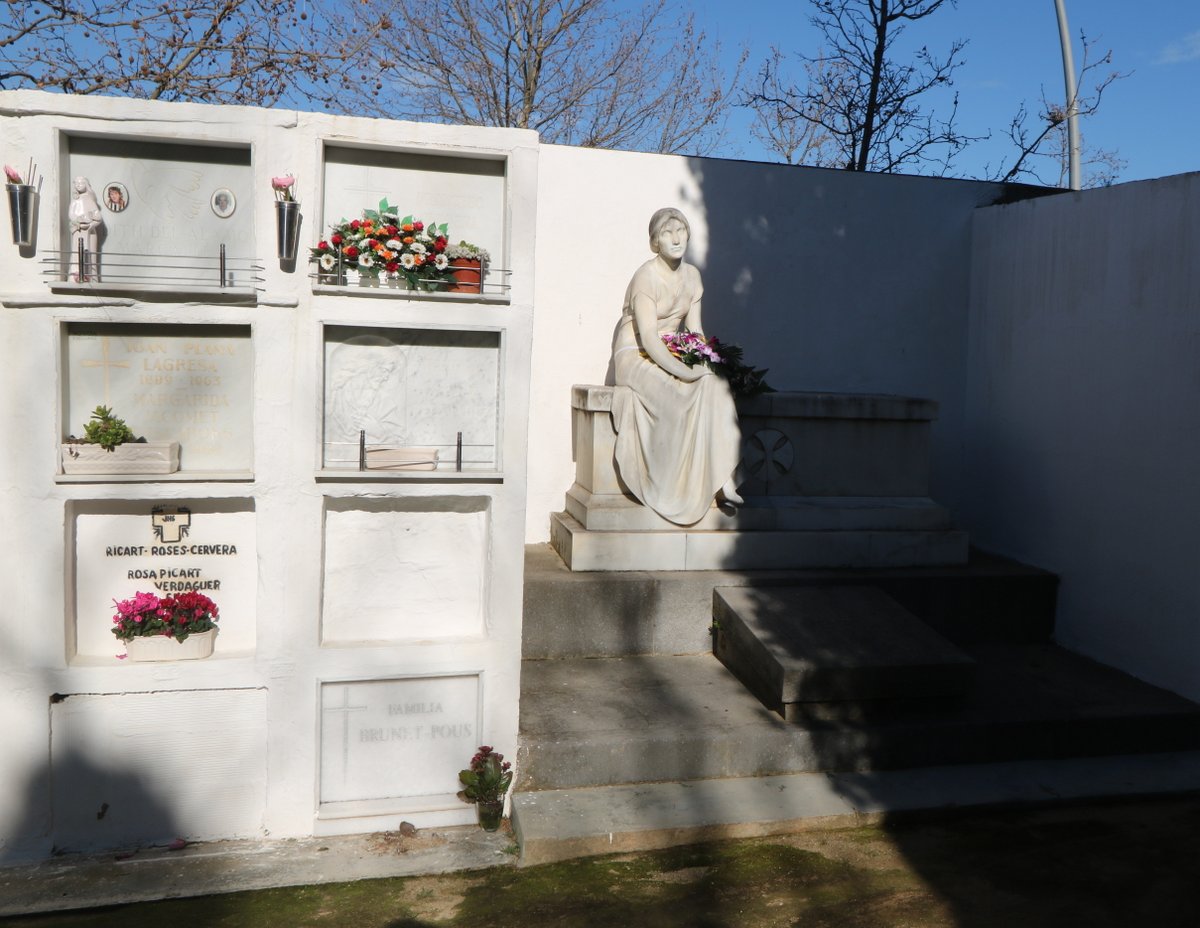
(633, 735)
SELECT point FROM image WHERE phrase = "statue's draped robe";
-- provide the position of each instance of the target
(677, 443)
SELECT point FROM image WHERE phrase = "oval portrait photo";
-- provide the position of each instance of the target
(223, 202)
(116, 197)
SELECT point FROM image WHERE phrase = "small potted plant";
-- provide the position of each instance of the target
(485, 783)
(178, 628)
(109, 446)
(468, 265)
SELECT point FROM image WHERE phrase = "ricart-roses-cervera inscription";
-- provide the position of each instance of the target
(391, 739)
(190, 384)
(203, 545)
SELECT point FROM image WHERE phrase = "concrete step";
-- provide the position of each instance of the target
(610, 614)
(563, 824)
(611, 721)
(685, 549)
(792, 646)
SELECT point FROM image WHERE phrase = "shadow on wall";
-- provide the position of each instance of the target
(863, 290)
(81, 799)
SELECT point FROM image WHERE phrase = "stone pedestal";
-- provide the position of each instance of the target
(830, 480)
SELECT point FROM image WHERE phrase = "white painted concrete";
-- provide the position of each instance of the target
(1083, 414)
(266, 469)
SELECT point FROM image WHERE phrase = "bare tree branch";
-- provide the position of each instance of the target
(580, 72)
(1045, 152)
(858, 98)
(258, 52)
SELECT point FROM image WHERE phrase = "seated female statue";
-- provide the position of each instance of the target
(677, 439)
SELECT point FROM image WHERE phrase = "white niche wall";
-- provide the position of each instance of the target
(121, 547)
(468, 194)
(193, 384)
(396, 745)
(412, 389)
(405, 569)
(179, 200)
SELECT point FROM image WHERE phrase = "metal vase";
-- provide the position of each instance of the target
(22, 207)
(287, 228)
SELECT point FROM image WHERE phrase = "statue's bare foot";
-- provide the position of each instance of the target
(729, 494)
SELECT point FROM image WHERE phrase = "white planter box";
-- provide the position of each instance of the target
(162, 648)
(151, 457)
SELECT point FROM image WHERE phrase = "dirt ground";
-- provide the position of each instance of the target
(1126, 865)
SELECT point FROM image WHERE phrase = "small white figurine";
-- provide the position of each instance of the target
(86, 222)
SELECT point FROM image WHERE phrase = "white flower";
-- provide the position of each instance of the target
(441, 262)
(407, 261)
(328, 262)
(394, 244)
(417, 248)
(424, 237)
(366, 260)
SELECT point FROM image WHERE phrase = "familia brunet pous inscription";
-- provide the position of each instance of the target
(193, 388)
(165, 549)
(371, 728)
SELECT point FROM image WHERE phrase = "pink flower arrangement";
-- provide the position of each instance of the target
(175, 616)
(692, 348)
(283, 188)
(13, 175)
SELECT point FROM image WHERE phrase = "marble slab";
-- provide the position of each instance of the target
(190, 384)
(121, 548)
(397, 738)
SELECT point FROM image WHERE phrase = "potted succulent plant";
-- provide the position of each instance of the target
(468, 265)
(178, 628)
(109, 446)
(485, 783)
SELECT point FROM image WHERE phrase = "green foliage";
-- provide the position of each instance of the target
(107, 430)
(488, 778)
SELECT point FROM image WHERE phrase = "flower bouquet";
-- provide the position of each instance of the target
(383, 245)
(485, 783)
(150, 626)
(693, 348)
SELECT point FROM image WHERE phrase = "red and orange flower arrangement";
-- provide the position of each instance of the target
(382, 244)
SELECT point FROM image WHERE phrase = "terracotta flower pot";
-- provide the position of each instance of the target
(467, 274)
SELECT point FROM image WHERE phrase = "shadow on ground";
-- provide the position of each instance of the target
(1100, 866)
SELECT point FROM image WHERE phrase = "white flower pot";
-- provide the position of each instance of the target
(162, 648)
(150, 457)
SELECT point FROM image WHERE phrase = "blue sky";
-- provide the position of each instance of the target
(1152, 117)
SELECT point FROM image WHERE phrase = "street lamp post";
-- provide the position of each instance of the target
(1064, 37)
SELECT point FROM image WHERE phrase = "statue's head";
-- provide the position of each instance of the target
(659, 221)
(81, 184)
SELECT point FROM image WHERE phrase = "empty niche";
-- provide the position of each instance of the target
(468, 194)
(122, 547)
(404, 569)
(160, 199)
(193, 384)
(411, 393)
(130, 769)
